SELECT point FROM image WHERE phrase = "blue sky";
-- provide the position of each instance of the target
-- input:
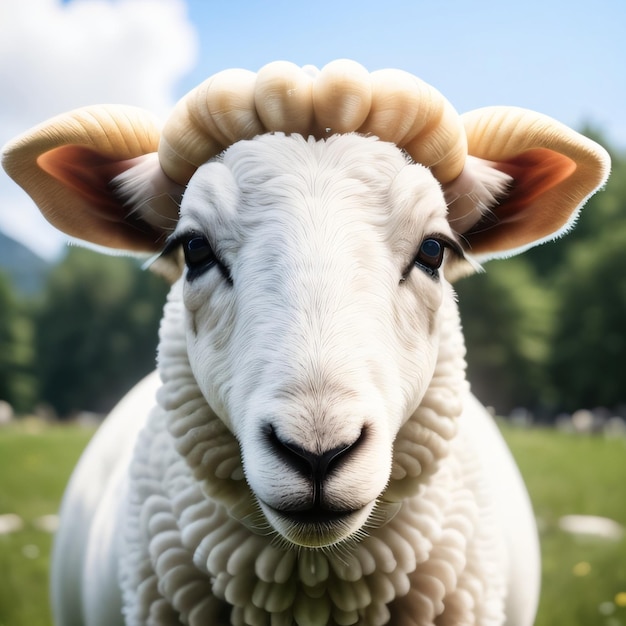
(566, 59)
(563, 58)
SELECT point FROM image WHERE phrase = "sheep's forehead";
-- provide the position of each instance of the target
(346, 179)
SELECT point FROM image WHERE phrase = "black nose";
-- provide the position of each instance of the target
(314, 466)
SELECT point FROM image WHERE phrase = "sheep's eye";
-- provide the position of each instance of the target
(430, 256)
(199, 256)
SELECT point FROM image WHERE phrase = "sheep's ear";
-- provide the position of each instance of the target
(68, 165)
(525, 181)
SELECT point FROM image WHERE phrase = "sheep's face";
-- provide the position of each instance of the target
(313, 296)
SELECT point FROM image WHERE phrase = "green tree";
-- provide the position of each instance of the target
(17, 385)
(507, 317)
(546, 329)
(96, 330)
(589, 347)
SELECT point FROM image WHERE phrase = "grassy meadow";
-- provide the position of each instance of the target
(584, 580)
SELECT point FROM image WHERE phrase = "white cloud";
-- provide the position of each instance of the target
(57, 56)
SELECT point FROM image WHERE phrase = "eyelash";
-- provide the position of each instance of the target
(200, 257)
(431, 254)
(198, 253)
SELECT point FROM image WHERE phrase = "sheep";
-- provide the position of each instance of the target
(309, 451)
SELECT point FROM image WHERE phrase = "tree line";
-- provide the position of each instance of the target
(85, 340)
(545, 330)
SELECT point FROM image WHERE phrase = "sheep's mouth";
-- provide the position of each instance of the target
(317, 526)
(315, 515)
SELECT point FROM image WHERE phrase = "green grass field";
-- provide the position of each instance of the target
(584, 581)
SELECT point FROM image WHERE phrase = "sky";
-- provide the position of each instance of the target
(564, 58)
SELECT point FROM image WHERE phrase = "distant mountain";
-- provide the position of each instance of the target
(26, 270)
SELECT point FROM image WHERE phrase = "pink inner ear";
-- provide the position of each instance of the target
(102, 216)
(535, 172)
(88, 174)
(533, 210)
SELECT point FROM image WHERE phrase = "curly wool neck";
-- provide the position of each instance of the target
(203, 553)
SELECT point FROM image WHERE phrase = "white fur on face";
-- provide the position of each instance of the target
(320, 346)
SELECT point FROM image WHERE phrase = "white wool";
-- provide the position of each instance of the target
(190, 549)
(318, 331)
(470, 196)
(149, 192)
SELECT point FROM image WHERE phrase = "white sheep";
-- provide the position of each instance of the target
(313, 455)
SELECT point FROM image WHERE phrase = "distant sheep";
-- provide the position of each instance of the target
(310, 452)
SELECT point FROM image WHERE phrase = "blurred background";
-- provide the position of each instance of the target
(546, 331)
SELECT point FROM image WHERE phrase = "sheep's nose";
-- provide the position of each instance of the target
(311, 465)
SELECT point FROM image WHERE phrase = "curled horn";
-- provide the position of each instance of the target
(343, 97)
(214, 115)
(283, 98)
(415, 116)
